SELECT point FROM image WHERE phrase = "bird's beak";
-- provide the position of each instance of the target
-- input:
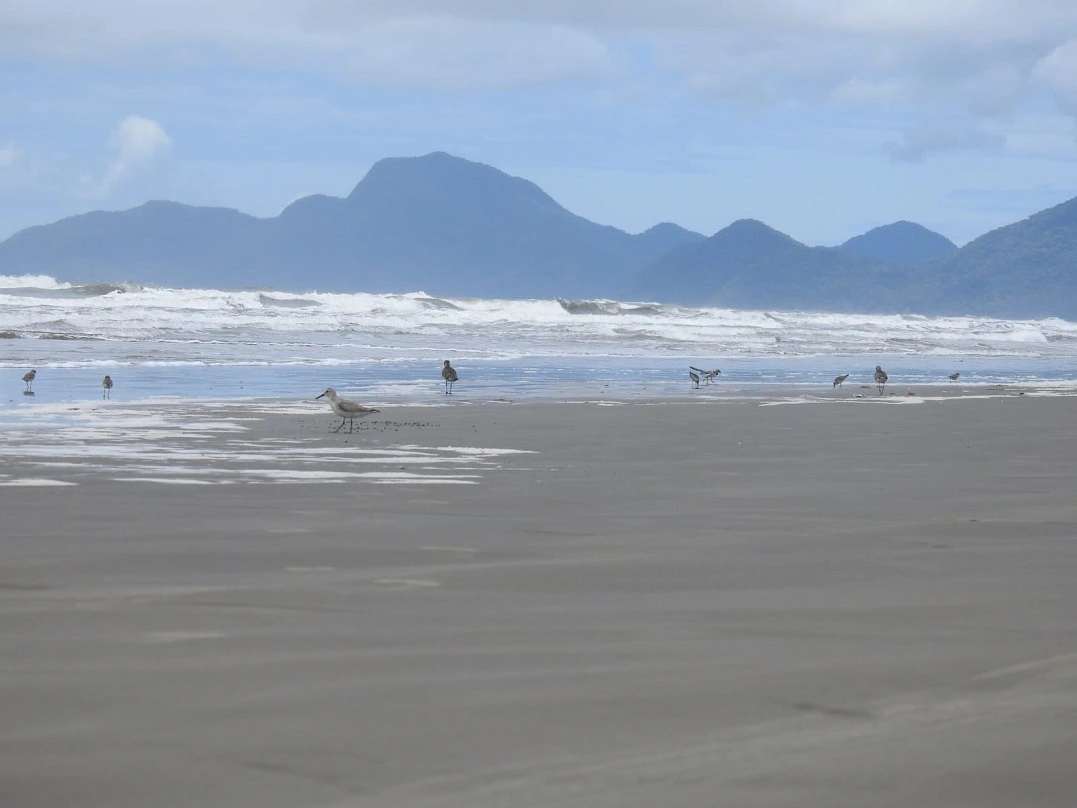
(317, 397)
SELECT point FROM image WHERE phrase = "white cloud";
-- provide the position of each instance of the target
(77, 28)
(1058, 72)
(981, 58)
(415, 45)
(137, 142)
(942, 136)
(869, 92)
(447, 53)
(8, 155)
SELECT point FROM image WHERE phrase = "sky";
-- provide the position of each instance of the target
(821, 118)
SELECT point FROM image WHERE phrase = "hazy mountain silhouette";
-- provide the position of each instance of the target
(751, 265)
(159, 242)
(900, 243)
(1025, 269)
(449, 226)
(437, 223)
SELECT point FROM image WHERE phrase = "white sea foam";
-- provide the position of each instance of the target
(167, 443)
(174, 327)
(166, 480)
(31, 282)
(34, 482)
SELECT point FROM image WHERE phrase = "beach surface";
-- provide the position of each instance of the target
(789, 600)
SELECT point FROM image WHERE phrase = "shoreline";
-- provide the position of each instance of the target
(542, 605)
(540, 379)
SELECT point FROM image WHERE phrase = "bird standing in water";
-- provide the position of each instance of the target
(840, 379)
(448, 373)
(106, 387)
(880, 378)
(29, 379)
(953, 376)
(707, 375)
(694, 377)
(347, 409)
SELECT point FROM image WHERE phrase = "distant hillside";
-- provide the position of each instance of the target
(449, 226)
(1025, 269)
(158, 242)
(437, 223)
(750, 265)
(900, 243)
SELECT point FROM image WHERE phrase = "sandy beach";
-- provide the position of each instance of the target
(794, 600)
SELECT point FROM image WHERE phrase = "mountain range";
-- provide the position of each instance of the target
(453, 227)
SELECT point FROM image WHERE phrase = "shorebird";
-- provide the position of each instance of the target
(106, 387)
(347, 409)
(706, 375)
(839, 380)
(29, 379)
(880, 378)
(953, 376)
(448, 373)
(694, 377)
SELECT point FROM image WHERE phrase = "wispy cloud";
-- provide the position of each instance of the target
(8, 155)
(137, 142)
(446, 53)
(1058, 72)
(942, 136)
(773, 49)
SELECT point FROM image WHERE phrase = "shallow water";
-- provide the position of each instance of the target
(389, 348)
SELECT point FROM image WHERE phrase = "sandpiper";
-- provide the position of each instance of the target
(880, 378)
(839, 380)
(694, 377)
(347, 409)
(953, 376)
(106, 387)
(29, 379)
(706, 375)
(448, 373)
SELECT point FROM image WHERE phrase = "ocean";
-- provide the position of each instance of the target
(388, 349)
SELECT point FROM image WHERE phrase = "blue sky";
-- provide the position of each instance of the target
(822, 119)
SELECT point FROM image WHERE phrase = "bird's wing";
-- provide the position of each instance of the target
(353, 407)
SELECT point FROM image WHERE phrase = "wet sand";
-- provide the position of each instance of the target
(794, 602)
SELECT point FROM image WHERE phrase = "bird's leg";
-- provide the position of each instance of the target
(341, 425)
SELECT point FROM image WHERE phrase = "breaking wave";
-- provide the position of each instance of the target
(276, 326)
